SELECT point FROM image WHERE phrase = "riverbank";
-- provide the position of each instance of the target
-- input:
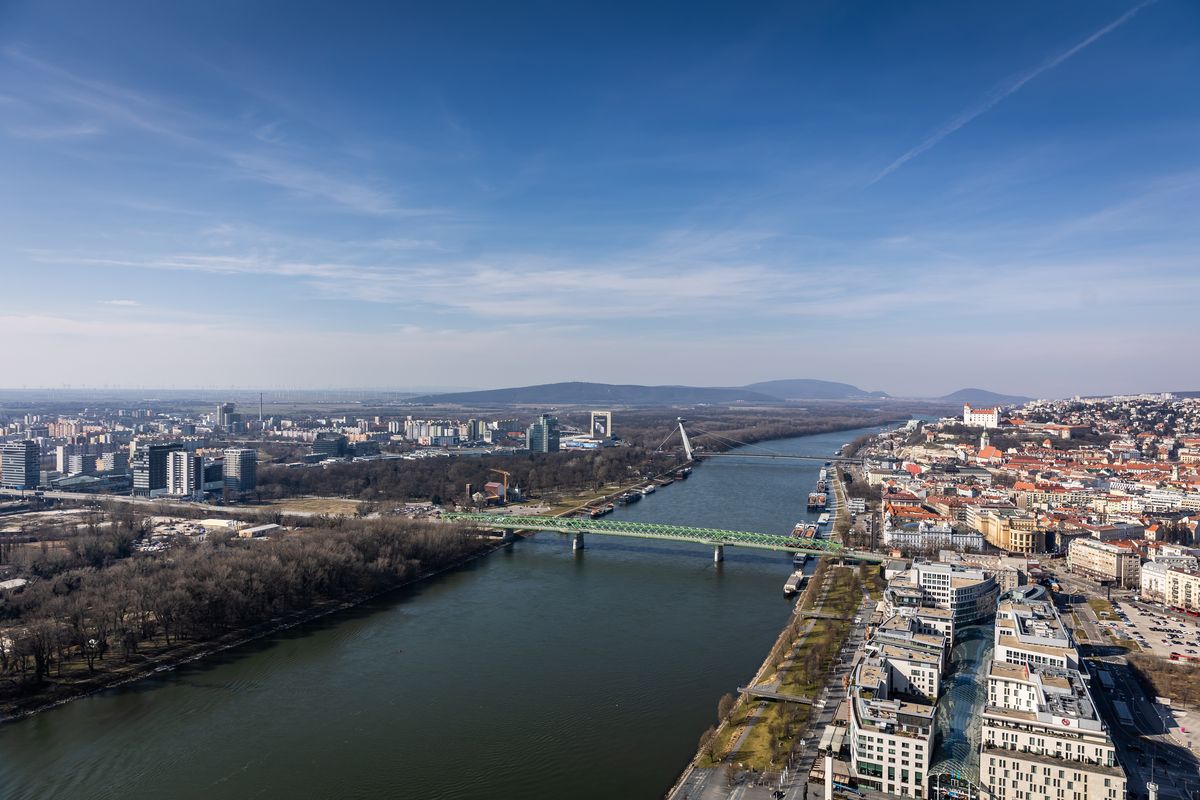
(155, 659)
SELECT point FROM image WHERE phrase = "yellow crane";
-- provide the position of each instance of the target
(504, 497)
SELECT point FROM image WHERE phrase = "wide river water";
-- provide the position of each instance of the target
(532, 673)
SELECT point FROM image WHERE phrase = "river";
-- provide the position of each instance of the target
(532, 673)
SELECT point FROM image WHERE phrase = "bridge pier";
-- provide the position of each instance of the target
(577, 544)
(718, 553)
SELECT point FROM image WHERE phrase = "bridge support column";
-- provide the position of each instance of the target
(718, 553)
(577, 543)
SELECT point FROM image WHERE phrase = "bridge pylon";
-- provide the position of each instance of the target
(577, 543)
(687, 443)
(718, 553)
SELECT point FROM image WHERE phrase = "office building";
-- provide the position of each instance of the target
(150, 467)
(21, 465)
(542, 436)
(969, 593)
(330, 445)
(80, 464)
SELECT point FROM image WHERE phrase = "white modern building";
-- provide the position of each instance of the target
(185, 474)
(969, 593)
(1031, 632)
(1042, 738)
(891, 732)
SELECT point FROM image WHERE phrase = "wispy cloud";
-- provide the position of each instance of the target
(310, 182)
(1005, 90)
(43, 132)
(258, 153)
(121, 302)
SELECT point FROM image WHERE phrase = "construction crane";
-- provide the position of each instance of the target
(504, 497)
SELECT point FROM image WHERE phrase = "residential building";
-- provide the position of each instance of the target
(1182, 589)
(1105, 561)
(891, 732)
(241, 470)
(185, 474)
(20, 465)
(1152, 581)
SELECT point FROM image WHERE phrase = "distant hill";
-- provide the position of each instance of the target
(811, 389)
(580, 393)
(982, 397)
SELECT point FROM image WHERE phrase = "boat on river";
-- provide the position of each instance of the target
(795, 583)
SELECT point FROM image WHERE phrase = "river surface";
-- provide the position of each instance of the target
(532, 673)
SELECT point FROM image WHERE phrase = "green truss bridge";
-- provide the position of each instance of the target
(717, 539)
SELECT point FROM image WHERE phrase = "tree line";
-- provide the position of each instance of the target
(648, 446)
(93, 615)
(445, 479)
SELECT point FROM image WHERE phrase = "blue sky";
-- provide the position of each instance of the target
(912, 197)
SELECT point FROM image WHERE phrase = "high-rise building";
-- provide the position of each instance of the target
(81, 463)
(62, 457)
(542, 436)
(224, 416)
(21, 467)
(185, 474)
(241, 470)
(116, 461)
(150, 467)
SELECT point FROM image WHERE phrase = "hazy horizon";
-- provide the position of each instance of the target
(911, 198)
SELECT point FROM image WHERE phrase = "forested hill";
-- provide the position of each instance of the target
(812, 389)
(583, 393)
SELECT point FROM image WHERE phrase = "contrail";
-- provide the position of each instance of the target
(998, 94)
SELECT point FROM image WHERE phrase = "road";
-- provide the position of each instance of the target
(833, 693)
(1146, 749)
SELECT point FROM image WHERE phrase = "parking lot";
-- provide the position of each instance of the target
(1155, 631)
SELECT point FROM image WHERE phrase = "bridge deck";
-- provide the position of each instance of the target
(677, 533)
